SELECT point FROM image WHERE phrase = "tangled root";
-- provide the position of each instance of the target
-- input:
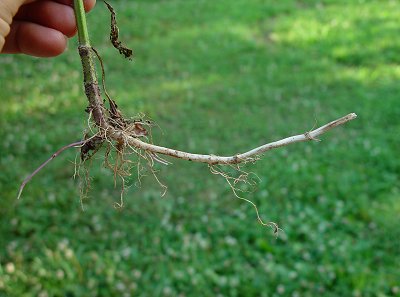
(236, 183)
(119, 156)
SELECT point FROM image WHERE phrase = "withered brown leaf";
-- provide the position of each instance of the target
(114, 35)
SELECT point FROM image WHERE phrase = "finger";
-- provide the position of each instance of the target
(49, 14)
(89, 4)
(35, 40)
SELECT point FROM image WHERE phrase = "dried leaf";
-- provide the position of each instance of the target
(91, 147)
(114, 35)
(139, 130)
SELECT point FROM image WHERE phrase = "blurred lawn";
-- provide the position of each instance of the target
(218, 77)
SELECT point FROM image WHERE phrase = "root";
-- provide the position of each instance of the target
(84, 182)
(120, 205)
(56, 154)
(128, 138)
(233, 184)
(120, 158)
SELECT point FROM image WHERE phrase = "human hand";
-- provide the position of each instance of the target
(37, 28)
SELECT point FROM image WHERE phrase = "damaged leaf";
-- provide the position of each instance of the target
(114, 35)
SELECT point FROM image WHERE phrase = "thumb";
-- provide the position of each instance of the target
(8, 9)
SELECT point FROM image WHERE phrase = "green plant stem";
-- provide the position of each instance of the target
(92, 90)
(80, 16)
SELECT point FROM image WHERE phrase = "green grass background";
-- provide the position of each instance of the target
(218, 77)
